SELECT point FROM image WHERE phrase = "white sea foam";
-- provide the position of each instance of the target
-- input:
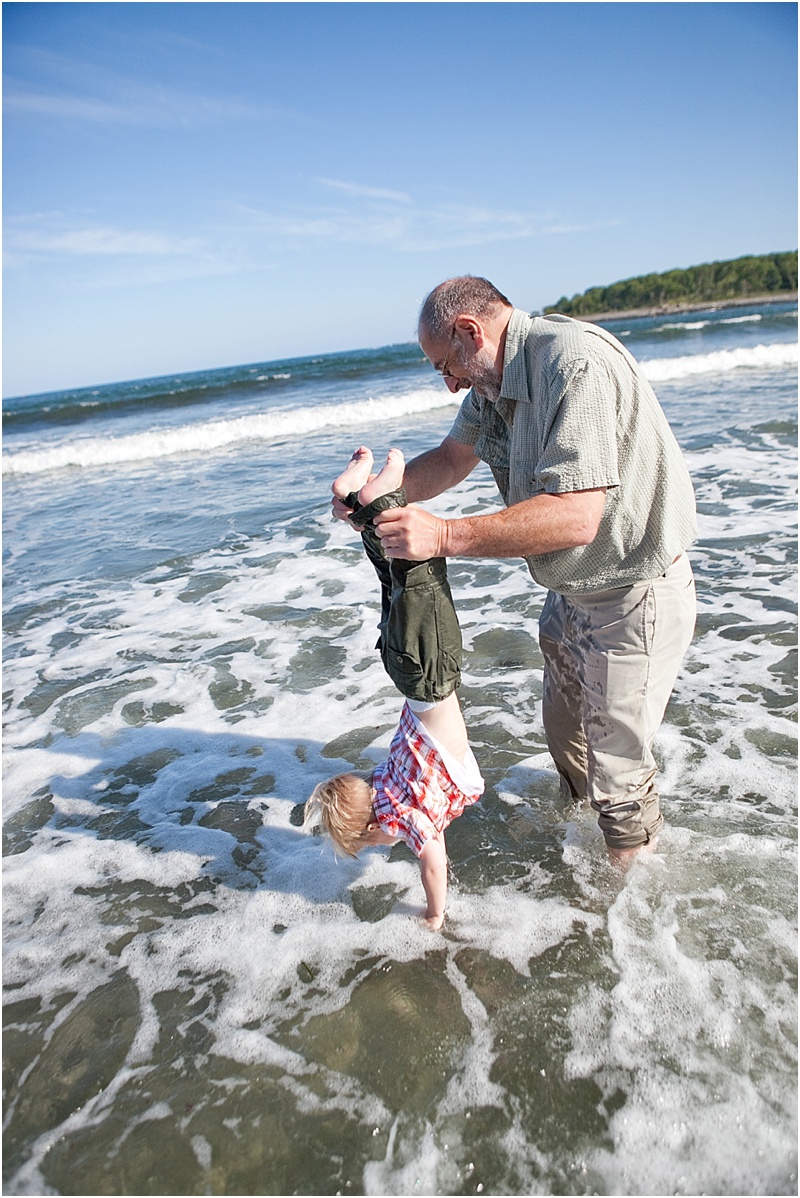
(761, 357)
(213, 435)
(670, 326)
(138, 709)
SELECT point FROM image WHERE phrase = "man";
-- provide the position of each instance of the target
(599, 503)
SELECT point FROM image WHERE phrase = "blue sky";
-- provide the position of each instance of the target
(190, 185)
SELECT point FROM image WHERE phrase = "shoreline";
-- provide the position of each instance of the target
(783, 297)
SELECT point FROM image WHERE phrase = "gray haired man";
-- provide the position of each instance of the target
(600, 504)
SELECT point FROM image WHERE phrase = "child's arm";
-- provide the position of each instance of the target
(433, 862)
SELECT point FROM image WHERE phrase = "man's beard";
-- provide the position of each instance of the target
(484, 375)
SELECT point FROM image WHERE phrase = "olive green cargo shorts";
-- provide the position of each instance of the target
(420, 637)
(611, 660)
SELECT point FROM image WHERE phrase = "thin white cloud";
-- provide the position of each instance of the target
(375, 219)
(96, 256)
(69, 89)
(100, 240)
(369, 193)
(140, 106)
(328, 225)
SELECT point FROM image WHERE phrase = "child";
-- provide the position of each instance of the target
(431, 773)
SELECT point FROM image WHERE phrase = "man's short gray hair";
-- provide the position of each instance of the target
(467, 295)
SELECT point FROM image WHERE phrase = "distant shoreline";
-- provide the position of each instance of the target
(676, 309)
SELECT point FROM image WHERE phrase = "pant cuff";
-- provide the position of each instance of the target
(363, 515)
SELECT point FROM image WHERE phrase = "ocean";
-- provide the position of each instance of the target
(200, 998)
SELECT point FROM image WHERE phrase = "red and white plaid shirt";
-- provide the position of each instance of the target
(415, 797)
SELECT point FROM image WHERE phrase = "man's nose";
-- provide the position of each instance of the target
(453, 384)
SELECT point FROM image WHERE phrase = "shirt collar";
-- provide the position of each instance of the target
(515, 376)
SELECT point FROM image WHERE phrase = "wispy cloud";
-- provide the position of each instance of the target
(138, 105)
(98, 240)
(69, 89)
(382, 216)
(94, 255)
(368, 193)
(325, 225)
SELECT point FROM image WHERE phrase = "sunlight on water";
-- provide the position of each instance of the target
(200, 998)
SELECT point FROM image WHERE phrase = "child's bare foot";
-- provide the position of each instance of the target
(355, 475)
(389, 479)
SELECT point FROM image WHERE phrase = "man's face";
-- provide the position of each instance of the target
(478, 370)
(464, 367)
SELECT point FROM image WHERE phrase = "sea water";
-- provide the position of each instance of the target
(200, 998)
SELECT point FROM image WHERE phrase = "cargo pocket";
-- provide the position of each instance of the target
(421, 646)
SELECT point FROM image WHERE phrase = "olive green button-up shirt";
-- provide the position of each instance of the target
(575, 413)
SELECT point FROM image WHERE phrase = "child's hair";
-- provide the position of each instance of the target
(342, 805)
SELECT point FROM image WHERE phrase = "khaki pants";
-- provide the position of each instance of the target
(611, 660)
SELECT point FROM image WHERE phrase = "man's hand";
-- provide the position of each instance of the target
(340, 511)
(411, 533)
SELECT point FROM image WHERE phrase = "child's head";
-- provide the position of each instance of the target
(343, 805)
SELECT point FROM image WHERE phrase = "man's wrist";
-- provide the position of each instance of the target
(458, 537)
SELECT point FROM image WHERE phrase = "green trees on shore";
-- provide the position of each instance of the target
(735, 279)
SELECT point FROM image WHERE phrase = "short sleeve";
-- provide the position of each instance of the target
(467, 424)
(580, 447)
(405, 821)
(416, 829)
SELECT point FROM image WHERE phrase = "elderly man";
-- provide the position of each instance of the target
(601, 506)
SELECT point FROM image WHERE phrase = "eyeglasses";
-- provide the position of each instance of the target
(442, 370)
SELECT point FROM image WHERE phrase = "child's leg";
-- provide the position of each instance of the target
(420, 638)
(356, 474)
(357, 488)
(389, 479)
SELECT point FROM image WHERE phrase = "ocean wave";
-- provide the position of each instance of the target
(211, 435)
(704, 324)
(208, 436)
(763, 357)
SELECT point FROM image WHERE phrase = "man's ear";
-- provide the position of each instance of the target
(470, 332)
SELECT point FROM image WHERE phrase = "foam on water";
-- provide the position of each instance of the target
(280, 423)
(202, 998)
(670, 326)
(754, 357)
(213, 435)
(172, 844)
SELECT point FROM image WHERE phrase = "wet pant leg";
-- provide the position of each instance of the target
(611, 660)
(420, 638)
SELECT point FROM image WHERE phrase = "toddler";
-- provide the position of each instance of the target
(431, 773)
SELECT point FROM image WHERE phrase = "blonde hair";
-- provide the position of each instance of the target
(342, 805)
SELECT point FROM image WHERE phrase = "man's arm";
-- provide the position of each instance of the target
(543, 524)
(438, 470)
(429, 474)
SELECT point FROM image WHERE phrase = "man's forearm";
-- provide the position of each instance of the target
(436, 470)
(543, 524)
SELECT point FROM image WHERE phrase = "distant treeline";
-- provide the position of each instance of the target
(712, 282)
